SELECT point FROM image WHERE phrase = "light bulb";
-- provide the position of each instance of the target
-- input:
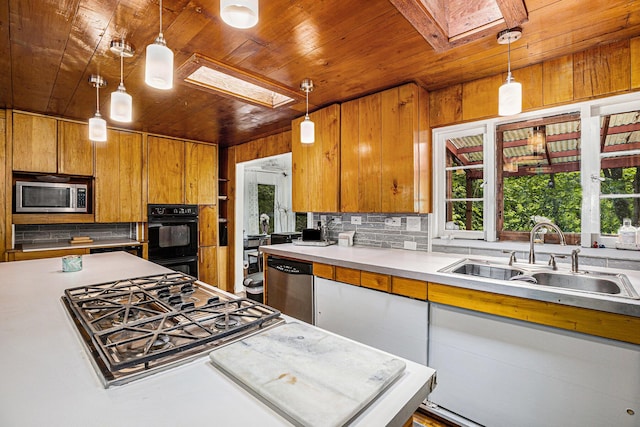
(121, 105)
(158, 72)
(239, 13)
(307, 131)
(510, 98)
(97, 128)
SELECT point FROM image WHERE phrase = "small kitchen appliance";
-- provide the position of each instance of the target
(50, 197)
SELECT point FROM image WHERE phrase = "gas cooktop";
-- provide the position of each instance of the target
(137, 326)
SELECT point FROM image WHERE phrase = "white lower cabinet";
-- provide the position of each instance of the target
(501, 372)
(391, 323)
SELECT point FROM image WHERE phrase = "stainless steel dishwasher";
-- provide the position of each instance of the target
(290, 287)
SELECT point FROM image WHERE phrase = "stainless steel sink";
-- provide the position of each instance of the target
(483, 269)
(600, 283)
(591, 282)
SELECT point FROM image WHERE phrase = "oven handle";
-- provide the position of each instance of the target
(172, 220)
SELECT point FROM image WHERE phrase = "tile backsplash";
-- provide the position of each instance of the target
(53, 233)
(374, 232)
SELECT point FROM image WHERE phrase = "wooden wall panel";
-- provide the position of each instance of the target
(480, 98)
(557, 80)
(634, 52)
(445, 106)
(268, 146)
(602, 70)
(531, 79)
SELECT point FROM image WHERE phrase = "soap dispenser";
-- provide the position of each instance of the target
(627, 233)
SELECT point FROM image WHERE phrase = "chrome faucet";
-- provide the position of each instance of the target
(563, 241)
(574, 260)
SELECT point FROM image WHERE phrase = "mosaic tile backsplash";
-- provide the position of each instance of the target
(53, 233)
(375, 233)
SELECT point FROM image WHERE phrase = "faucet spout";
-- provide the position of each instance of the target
(563, 241)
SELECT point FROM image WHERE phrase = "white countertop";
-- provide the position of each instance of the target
(33, 247)
(422, 265)
(47, 378)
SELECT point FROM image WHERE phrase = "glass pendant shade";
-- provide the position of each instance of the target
(307, 131)
(121, 105)
(97, 128)
(239, 13)
(158, 71)
(510, 97)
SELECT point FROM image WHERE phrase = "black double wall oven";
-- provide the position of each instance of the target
(173, 237)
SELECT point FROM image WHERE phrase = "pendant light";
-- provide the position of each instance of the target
(158, 72)
(510, 94)
(97, 125)
(307, 127)
(239, 13)
(121, 101)
(537, 140)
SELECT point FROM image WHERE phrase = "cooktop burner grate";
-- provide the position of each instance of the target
(140, 324)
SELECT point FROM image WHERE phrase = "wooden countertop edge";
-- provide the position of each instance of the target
(588, 321)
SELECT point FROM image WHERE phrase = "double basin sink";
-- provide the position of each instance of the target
(591, 282)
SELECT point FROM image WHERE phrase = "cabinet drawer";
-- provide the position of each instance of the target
(409, 288)
(376, 281)
(323, 270)
(348, 275)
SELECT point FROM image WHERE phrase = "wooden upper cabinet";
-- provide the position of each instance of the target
(201, 185)
(166, 162)
(75, 150)
(44, 144)
(316, 167)
(118, 178)
(34, 143)
(384, 145)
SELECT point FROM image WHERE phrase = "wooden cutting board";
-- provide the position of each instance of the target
(311, 377)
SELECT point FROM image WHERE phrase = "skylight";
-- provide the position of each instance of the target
(210, 75)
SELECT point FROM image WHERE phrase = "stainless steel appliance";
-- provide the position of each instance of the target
(290, 287)
(285, 237)
(135, 327)
(173, 237)
(50, 197)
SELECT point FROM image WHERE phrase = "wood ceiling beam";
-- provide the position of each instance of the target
(514, 12)
(433, 30)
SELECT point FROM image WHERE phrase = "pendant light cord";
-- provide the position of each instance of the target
(97, 97)
(307, 92)
(161, 17)
(121, 69)
(509, 55)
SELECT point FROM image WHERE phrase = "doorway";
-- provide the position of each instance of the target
(263, 206)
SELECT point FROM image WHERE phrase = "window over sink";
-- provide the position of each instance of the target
(578, 165)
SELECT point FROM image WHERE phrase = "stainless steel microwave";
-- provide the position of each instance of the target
(50, 197)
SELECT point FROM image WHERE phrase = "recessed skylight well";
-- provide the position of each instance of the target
(222, 79)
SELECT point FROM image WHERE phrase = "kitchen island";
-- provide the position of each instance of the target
(48, 379)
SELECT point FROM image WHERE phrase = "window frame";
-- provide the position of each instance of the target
(590, 114)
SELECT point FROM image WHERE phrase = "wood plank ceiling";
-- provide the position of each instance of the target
(48, 49)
